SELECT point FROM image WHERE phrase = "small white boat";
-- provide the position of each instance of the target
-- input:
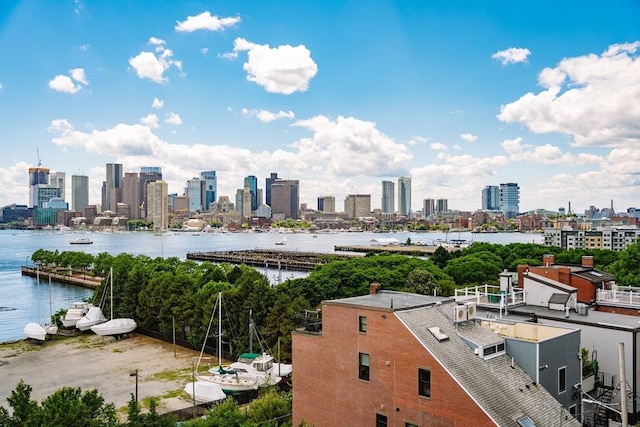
(115, 327)
(76, 311)
(35, 331)
(93, 317)
(264, 364)
(282, 242)
(231, 382)
(81, 241)
(205, 391)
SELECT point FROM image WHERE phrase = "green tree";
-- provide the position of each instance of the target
(225, 414)
(627, 268)
(270, 409)
(23, 407)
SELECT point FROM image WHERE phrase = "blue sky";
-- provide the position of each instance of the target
(340, 95)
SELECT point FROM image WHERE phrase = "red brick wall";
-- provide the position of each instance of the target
(327, 391)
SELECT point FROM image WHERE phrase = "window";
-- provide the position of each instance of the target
(408, 424)
(424, 382)
(363, 369)
(381, 420)
(562, 379)
(362, 323)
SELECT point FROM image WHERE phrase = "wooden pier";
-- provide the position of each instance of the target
(264, 258)
(63, 276)
(411, 250)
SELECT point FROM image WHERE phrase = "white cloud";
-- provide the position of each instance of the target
(157, 103)
(77, 74)
(351, 147)
(545, 154)
(204, 50)
(513, 55)
(468, 137)
(62, 83)
(150, 65)
(173, 119)
(14, 184)
(150, 120)
(1, 87)
(285, 69)
(205, 21)
(267, 116)
(598, 104)
(416, 139)
(438, 146)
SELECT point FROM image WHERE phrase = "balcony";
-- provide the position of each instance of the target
(622, 296)
(490, 296)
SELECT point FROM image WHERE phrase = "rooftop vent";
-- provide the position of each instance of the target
(437, 333)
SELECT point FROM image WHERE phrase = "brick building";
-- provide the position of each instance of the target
(398, 359)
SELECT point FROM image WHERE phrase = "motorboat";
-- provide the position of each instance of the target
(81, 241)
(264, 364)
(93, 317)
(76, 311)
(205, 391)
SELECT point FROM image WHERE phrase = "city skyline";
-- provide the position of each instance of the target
(544, 99)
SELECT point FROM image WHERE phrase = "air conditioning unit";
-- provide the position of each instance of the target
(460, 313)
(471, 310)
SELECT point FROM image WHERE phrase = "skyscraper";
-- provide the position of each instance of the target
(253, 189)
(79, 192)
(210, 183)
(148, 174)
(57, 179)
(194, 194)
(131, 193)
(267, 188)
(112, 188)
(357, 205)
(158, 204)
(428, 207)
(247, 197)
(388, 197)
(327, 204)
(491, 198)
(404, 196)
(37, 176)
(442, 205)
(285, 197)
(510, 199)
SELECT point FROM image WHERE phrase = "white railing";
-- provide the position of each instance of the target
(489, 295)
(628, 296)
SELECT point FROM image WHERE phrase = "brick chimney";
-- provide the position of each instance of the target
(548, 260)
(587, 261)
(374, 288)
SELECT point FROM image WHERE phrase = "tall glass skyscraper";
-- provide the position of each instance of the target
(79, 192)
(210, 183)
(148, 174)
(112, 189)
(388, 197)
(510, 199)
(491, 198)
(253, 188)
(267, 189)
(194, 194)
(404, 196)
(37, 176)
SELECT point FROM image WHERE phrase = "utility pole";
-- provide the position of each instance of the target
(623, 385)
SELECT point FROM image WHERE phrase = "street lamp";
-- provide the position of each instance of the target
(135, 374)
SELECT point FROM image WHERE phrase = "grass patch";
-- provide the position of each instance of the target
(172, 375)
(117, 350)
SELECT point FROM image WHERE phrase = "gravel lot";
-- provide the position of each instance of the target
(90, 361)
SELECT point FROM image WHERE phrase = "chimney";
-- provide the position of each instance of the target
(548, 260)
(374, 288)
(587, 261)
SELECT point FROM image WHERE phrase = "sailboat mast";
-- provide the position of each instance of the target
(111, 295)
(219, 328)
(250, 332)
(38, 289)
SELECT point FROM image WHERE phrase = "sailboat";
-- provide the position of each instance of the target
(116, 327)
(35, 330)
(229, 380)
(261, 365)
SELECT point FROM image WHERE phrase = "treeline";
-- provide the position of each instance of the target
(167, 293)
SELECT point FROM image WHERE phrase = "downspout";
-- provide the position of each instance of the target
(634, 371)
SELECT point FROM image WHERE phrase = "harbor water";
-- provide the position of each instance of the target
(23, 300)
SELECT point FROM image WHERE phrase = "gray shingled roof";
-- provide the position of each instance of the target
(503, 391)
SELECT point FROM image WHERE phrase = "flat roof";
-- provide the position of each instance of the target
(389, 301)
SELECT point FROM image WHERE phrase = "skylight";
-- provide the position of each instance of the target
(525, 422)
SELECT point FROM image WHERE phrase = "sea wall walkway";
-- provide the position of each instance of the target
(60, 275)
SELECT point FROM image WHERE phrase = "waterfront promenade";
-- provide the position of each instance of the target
(60, 275)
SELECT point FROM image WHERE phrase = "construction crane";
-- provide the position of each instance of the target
(38, 151)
